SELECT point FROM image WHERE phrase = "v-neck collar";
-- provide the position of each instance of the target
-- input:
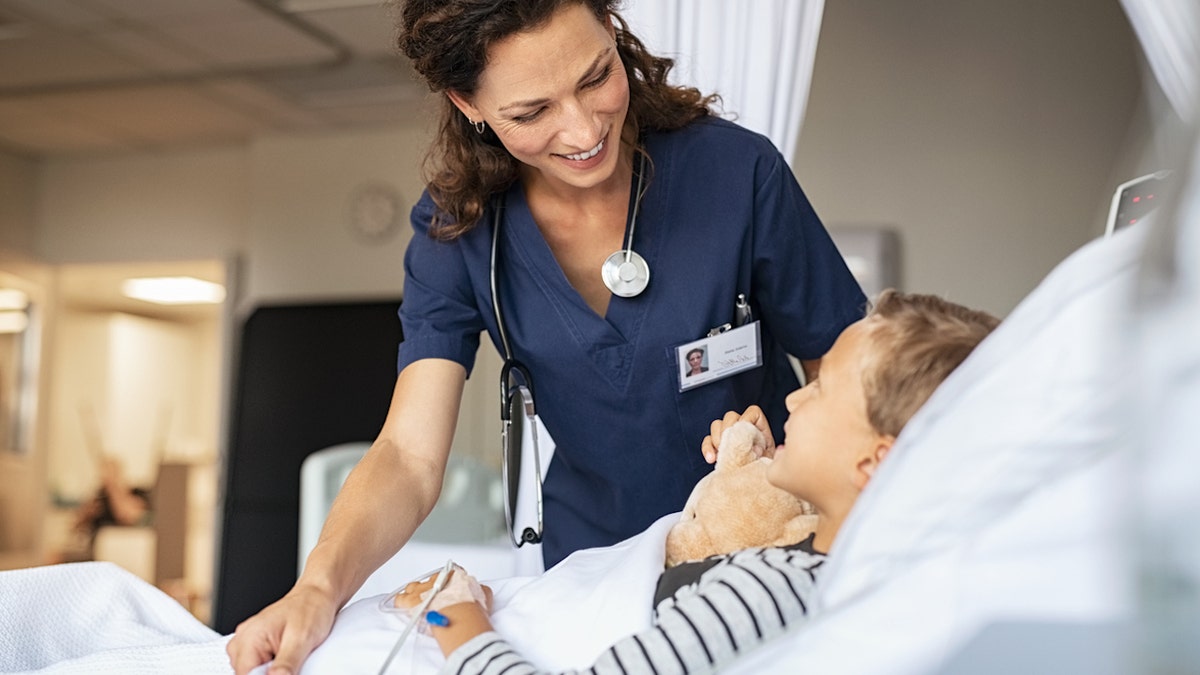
(609, 340)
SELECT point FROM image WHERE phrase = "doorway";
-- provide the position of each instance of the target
(136, 383)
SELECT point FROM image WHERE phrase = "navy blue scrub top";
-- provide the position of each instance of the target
(722, 215)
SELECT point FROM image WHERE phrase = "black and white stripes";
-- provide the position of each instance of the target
(745, 599)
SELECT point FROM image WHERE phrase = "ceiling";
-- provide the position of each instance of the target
(97, 288)
(95, 76)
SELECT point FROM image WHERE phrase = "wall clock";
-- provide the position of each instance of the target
(375, 212)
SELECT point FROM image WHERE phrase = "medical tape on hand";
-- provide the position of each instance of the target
(462, 587)
(438, 583)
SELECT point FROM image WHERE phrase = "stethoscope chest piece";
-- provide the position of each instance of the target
(625, 273)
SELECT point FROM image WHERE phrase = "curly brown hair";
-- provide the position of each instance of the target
(447, 42)
(917, 341)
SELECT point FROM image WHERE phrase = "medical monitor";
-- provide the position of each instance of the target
(1135, 199)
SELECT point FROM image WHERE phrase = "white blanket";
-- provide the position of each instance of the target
(562, 619)
(95, 618)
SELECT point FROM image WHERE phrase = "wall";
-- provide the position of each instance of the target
(17, 198)
(147, 207)
(299, 242)
(984, 131)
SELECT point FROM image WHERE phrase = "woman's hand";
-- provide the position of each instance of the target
(286, 631)
(753, 415)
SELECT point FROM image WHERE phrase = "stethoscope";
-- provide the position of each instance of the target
(625, 274)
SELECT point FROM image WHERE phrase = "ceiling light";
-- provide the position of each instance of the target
(174, 290)
(13, 322)
(11, 298)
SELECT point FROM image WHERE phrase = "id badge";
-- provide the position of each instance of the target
(718, 356)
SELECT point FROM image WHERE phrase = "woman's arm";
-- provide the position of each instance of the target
(387, 495)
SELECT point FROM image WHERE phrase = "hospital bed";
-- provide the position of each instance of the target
(467, 524)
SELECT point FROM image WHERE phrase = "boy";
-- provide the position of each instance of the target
(839, 428)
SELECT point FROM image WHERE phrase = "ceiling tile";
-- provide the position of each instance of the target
(31, 128)
(58, 12)
(105, 75)
(251, 96)
(149, 10)
(156, 115)
(359, 82)
(98, 287)
(49, 56)
(149, 50)
(391, 114)
(368, 31)
(251, 42)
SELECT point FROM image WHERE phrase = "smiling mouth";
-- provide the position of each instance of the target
(589, 154)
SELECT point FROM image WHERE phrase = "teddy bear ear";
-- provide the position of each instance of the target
(741, 444)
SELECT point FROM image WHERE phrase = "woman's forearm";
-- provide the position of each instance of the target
(355, 540)
(395, 485)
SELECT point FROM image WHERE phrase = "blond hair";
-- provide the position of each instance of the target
(916, 342)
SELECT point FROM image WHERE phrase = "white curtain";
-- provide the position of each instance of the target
(757, 54)
(1169, 32)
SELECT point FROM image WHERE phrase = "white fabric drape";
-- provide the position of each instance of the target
(1169, 32)
(757, 54)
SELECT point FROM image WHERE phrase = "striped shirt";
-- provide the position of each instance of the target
(743, 600)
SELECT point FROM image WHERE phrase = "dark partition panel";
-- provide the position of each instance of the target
(308, 377)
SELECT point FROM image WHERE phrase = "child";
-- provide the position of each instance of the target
(840, 426)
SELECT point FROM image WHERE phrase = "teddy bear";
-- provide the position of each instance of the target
(734, 507)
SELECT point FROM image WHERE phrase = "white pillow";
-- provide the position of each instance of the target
(1001, 499)
(1039, 399)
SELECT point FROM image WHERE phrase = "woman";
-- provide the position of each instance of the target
(559, 128)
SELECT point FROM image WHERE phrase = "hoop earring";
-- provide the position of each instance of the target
(480, 126)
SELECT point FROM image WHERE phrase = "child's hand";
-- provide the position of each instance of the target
(753, 415)
(459, 588)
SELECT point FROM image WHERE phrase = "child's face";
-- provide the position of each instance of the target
(827, 429)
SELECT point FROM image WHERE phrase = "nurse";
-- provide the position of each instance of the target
(629, 227)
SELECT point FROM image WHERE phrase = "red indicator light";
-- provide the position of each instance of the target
(1149, 196)
(1133, 221)
(1137, 199)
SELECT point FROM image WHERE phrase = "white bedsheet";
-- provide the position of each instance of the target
(95, 618)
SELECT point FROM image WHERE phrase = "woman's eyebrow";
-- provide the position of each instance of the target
(533, 103)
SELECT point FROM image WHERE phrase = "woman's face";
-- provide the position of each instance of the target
(557, 97)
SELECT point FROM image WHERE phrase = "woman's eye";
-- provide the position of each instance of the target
(525, 119)
(600, 79)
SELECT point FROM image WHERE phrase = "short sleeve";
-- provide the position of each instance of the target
(438, 313)
(806, 293)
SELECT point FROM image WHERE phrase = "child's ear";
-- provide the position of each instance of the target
(869, 462)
